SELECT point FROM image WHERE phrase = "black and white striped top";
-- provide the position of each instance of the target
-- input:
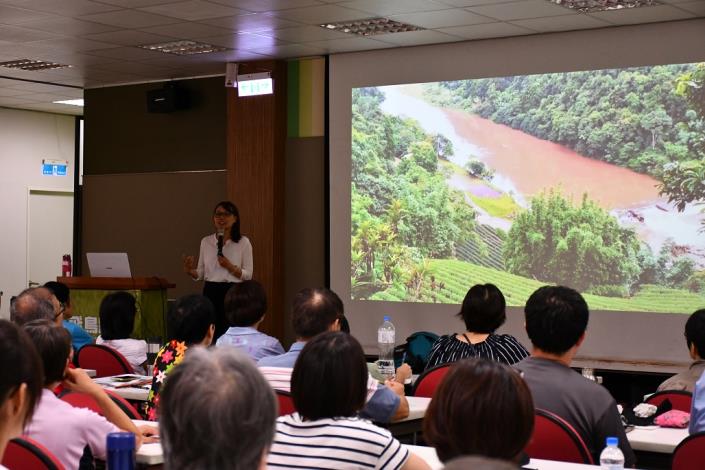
(502, 348)
(349, 443)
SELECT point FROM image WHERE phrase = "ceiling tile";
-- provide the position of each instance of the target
(484, 31)
(16, 34)
(54, 108)
(71, 44)
(321, 14)
(193, 10)
(129, 37)
(129, 19)
(694, 7)
(189, 30)
(12, 15)
(7, 91)
(63, 7)
(13, 100)
(415, 38)
(442, 18)
(127, 53)
(135, 3)
(307, 34)
(228, 56)
(349, 45)
(472, 3)
(292, 50)
(67, 26)
(252, 22)
(266, 5)
(561, 23)
(244, 41)
(520, 10)
(136, 68)
(391, 7)
(643, 15)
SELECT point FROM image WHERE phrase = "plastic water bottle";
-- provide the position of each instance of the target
(385, 342)
(612, 457)
(121, 451)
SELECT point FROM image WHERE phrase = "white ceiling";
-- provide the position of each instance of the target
(98, 37)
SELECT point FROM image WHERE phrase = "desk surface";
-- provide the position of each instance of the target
(137, 393)
(656, 439)
(417, 408)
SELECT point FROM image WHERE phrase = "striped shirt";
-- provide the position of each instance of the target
(501, 348)
(349, 443)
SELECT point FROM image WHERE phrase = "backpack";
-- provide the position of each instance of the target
(415, 351)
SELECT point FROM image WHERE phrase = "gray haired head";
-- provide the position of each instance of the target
(216, 411)
(31, 304)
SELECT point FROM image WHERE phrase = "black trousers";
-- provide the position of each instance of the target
(216, 291)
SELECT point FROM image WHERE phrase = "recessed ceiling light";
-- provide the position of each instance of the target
(32, 64)
(78, 102)
(184, 47)
(371, 26)
(591, 6)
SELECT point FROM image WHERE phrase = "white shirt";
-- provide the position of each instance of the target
(134, 350)
(240, 254)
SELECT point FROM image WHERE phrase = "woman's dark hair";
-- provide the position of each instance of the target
(231, 208)
(474, 406)
(53, 344)
(117, 315)
(330, 377)
(190, 318)
(483, 309)
(60, 291)
(20, 364)
(245, 303)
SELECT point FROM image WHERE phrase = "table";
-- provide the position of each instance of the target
(656, 439)
(149, 454)
(136, 393)
(413, 423)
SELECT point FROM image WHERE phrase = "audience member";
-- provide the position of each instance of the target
(79, 336)
(472, 408)
(328, 386)
(556, 320)
(479, 463)
(216, 411)
(316, 311)
(35, 303)
(117, 320)
(695, 340)
(20, 382)
(61, 428)
(245, 306)
(190, 322)
(483, 311)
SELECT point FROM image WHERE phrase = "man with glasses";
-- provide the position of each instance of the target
(79, 336)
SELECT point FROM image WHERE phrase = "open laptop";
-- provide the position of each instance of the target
(109, 264)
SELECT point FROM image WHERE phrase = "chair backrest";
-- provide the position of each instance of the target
(680, 399)
(427, 382)
(286, 403)
(27, 454)
(690, 453)
(106, 361)
(555, 439)
(83, 400)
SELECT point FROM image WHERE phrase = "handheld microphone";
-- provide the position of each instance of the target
(220, 242)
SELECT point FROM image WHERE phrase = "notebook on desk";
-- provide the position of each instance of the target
(108, 264)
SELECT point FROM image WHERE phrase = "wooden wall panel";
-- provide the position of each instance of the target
(256, 135)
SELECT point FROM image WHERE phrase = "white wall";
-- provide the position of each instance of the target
(27, 137)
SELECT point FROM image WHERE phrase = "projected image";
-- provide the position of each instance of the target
(592, 179)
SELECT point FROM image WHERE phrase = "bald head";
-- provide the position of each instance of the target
(314, 311)
(34, 304)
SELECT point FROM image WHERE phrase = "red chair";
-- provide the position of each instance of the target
(427, 382)
(555, 439)
(24, 453)
(82, 400)
(104, 360)
(286, 403)
(680, 399)
(690, 453)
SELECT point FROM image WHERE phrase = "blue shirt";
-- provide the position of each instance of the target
(697, 408)
(288, 359)
(79, 336)
(255, 343)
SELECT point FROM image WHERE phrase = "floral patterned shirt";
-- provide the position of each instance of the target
(169, 356)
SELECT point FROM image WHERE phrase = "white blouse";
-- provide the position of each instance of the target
(240, 254)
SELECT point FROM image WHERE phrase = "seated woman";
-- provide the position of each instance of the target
(20, 382)
(245, 306)
(483, 311)
(190, 322)
(329, 387)
(117, 320)
(480, 408)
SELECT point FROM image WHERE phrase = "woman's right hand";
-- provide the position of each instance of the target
(189, 263)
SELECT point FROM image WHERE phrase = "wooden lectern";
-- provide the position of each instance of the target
(150, 293)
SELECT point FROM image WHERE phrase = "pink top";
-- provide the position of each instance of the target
(65, 430)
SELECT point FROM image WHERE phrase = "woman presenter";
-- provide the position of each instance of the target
(225, 258)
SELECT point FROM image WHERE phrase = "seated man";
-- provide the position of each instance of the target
(695, 339)
(220, 393)
(556, 319)
(316, 311)
(35, 303)
(79, 336)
